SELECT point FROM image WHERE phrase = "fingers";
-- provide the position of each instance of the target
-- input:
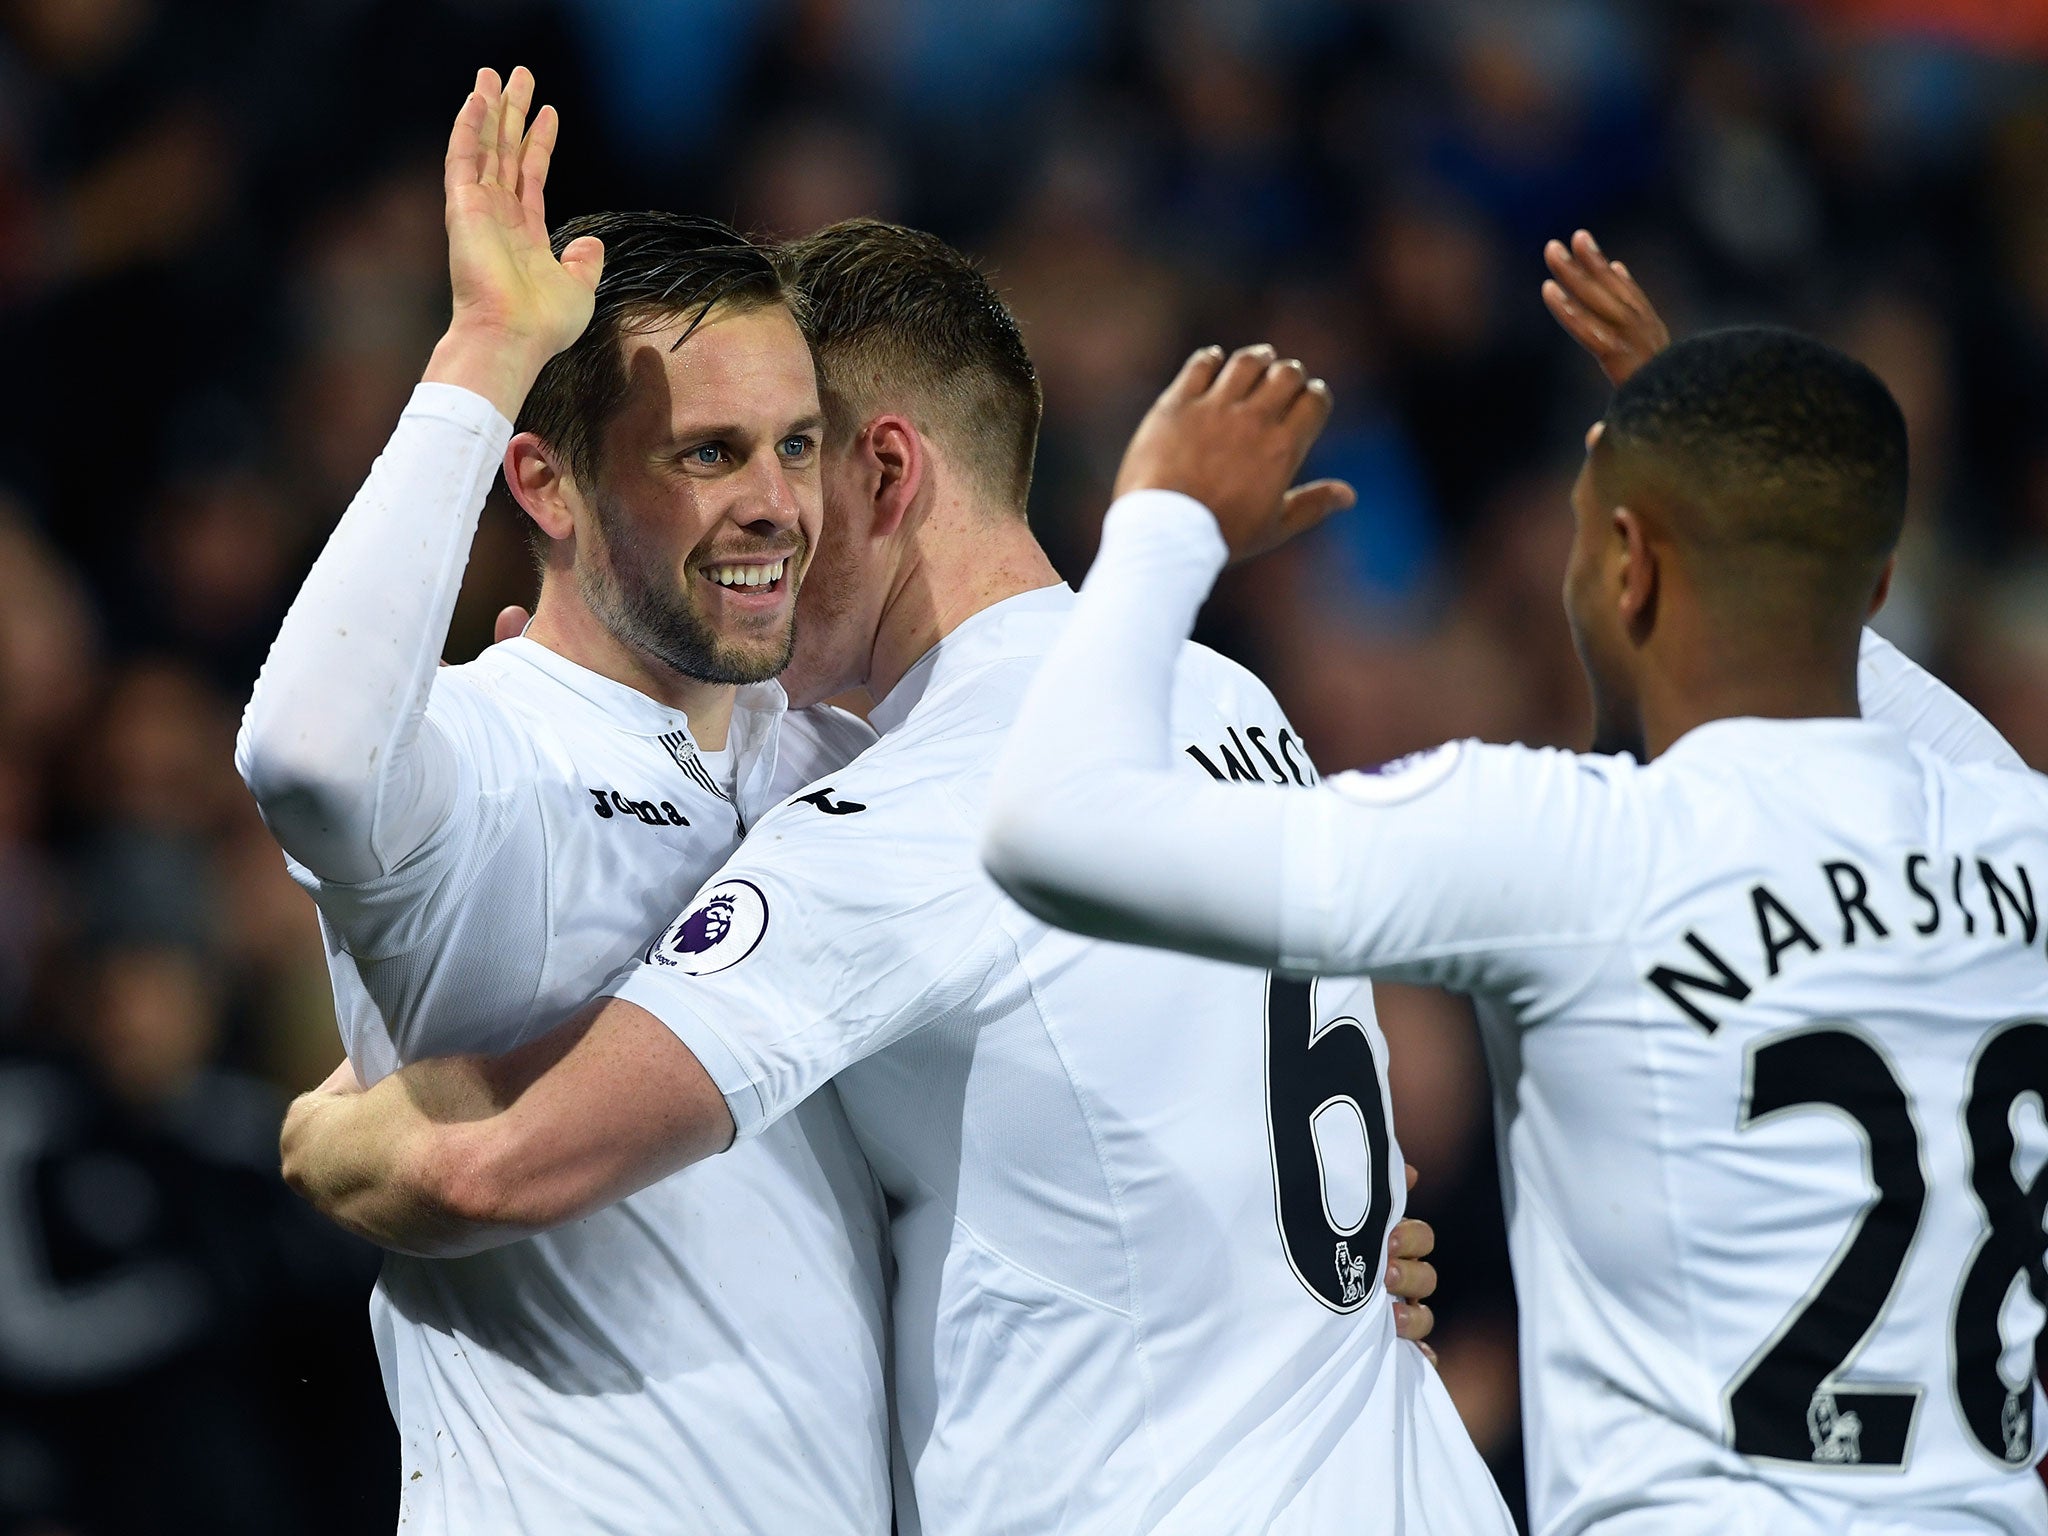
(1197, 374)
(1284, 383)
(1413, 1321)
(1245, 371)
(1309, 411)
(459, 169)
(512, 124)
(584, 257)
(1411, 1279)
(1587, 279)
(534, 160)
(1582, 327)
(1411, 1239)
(510, 624)
(1306, 505)
(493, 93)
(1414, 1177)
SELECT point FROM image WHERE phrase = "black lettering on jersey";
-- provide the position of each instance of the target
(1853, 901)
(1768, 907)
(1254, 735)
(1914, 863)
(1999, 893)
(822, 799)
(1239, 762)
(1725, 983)
(1287, 745)
(610, 803)
(2014, 914)
(1955, 883)
(1241, 767)
(1240, 771)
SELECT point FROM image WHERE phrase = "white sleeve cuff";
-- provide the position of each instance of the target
(1166, 521)
(645, 987)
(459, 407)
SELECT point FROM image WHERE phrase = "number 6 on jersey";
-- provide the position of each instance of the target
(1315, 1073)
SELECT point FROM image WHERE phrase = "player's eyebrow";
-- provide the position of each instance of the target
(731, 431)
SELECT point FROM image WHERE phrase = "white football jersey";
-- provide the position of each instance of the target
(1140, 1201)
(707, 1355)
(1768, 1020)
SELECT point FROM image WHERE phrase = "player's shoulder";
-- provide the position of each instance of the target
(1991, 792)
(481, 710)
(872, 809)
(1532, 780)
(1203, 675)
(487, 685)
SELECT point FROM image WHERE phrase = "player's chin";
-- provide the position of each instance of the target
(749, 653)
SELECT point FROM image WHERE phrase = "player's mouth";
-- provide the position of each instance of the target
(750, 583)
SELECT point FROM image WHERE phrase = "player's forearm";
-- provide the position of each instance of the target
(1089, 828)
(1897, 690)
(377, 1164)
(461, 1153)
(487, 361)
(332, 741)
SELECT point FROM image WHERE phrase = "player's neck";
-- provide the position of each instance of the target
(1724, 683)
(960, 562)
(566, 626)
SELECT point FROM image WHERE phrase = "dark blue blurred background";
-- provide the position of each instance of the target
(221, 269)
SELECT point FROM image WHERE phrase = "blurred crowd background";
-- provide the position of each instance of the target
(221, 270)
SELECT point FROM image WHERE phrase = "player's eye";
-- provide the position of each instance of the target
(706, 454)
(797, 445)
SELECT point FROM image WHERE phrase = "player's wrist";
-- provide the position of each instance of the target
(1173, 517)
(490, 361)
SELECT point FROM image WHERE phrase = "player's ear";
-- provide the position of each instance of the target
(539, 485)
(1884, 585)
(1635, 574)
(897, 454)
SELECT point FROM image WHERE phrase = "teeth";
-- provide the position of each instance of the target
(746, 575)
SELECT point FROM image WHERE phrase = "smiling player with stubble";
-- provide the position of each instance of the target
(488, 843)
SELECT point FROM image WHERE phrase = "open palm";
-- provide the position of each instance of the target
(506, 279)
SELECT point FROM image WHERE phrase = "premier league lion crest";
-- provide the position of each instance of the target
(704, 927)
(720, 930)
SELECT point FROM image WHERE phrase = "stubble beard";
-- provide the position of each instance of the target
(635, 595)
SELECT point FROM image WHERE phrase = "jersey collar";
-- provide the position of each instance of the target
(1002, 629)
(757, 707)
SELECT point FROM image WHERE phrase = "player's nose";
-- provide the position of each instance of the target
(771, 501)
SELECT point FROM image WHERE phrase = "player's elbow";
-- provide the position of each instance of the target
(1013, 844)
(295, 777)
(1045, 863)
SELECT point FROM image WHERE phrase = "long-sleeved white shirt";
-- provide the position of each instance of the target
(487, 844)
(1763, 1017)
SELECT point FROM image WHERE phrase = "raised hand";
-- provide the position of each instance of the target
(1601, 307)
(1232, 434)
(516, 304)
